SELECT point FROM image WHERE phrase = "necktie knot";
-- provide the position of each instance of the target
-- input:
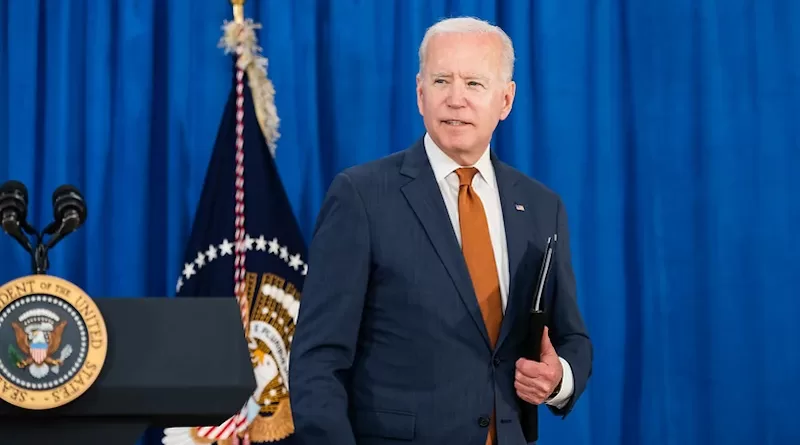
(465, 175)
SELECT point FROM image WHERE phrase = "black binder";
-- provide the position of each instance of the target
(533, 346)
(170, 362)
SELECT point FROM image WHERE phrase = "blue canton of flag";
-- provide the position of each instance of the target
(246, 242)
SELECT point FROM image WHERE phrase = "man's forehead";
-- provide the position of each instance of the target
(472, 46)
(468, 62)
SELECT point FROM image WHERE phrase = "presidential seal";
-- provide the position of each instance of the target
(53, 342)
(274, 303)
(271, 304)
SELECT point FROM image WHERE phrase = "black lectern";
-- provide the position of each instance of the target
(170, 362)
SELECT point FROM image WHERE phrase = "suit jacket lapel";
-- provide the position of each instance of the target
(518, 232)
(426, 200)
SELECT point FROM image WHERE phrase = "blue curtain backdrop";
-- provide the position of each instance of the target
(670, 128)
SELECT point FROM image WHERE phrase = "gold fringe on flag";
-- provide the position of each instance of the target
(239, 37)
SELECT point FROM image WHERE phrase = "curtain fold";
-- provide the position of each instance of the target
(670, 129)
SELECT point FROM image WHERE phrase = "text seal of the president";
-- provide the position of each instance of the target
(53, 342)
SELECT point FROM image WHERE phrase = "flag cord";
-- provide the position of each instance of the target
(239, 263)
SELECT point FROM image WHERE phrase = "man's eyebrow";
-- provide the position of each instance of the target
(475, 76)
(466, 75)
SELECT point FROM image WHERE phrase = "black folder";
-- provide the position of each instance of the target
(533, 346)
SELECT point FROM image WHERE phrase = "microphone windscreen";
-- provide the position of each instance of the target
(68, 197)
(14, 195)
(9, 187)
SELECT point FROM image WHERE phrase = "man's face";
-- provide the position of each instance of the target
(461, 93)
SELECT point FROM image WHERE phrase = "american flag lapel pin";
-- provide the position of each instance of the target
(519, 207)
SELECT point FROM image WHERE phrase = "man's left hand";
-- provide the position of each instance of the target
(536, 381)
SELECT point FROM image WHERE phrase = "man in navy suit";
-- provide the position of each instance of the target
(422, 268)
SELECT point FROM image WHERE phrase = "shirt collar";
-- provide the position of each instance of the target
(443, 165)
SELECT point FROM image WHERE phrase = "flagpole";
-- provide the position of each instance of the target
(238, 17)
(238, 10)
(239, 39)
(239, 237)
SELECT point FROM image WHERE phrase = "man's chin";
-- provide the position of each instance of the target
(459, 143)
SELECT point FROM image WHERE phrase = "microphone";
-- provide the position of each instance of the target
(69, 212)
(14, 212)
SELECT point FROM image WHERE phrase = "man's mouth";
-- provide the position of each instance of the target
(455, 123)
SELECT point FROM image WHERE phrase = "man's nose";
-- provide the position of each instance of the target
(456, 97)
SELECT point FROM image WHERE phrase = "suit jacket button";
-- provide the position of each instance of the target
(483, 421)
(496, 362)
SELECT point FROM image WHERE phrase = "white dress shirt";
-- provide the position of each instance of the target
(485, 185)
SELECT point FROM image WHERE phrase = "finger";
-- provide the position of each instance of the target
(543, 380)
(544, 371)
(547, 346)
(531, 400)
(531, 368)
(246, 439)
(535, 392)
(531, 396)
(537, 385)
(235, 440)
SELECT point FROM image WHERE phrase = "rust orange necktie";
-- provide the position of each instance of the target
(476, 244)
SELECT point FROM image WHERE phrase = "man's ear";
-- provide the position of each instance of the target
(509, 92)
(419, 93)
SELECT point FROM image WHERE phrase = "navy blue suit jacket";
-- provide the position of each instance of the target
(390, 346)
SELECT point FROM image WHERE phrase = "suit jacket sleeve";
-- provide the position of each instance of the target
(568, 331)
(329, 317)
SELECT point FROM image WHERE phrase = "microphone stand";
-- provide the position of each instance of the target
(39, 257)
(40, 260)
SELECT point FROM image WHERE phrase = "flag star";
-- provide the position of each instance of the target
(294, 261)
(249, 242)
(305, 270)
(179, 285)
(274, 246)
(284, 253)
(200, 260)
(226, 247)
(261, 243)
(188, 270)
(211, 253)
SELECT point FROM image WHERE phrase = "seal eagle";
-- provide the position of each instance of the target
(38, 348)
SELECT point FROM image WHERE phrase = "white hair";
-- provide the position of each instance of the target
(464, 25)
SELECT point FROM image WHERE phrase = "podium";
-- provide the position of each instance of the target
(170, 362)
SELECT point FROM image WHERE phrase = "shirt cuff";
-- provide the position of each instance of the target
(561, 399)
